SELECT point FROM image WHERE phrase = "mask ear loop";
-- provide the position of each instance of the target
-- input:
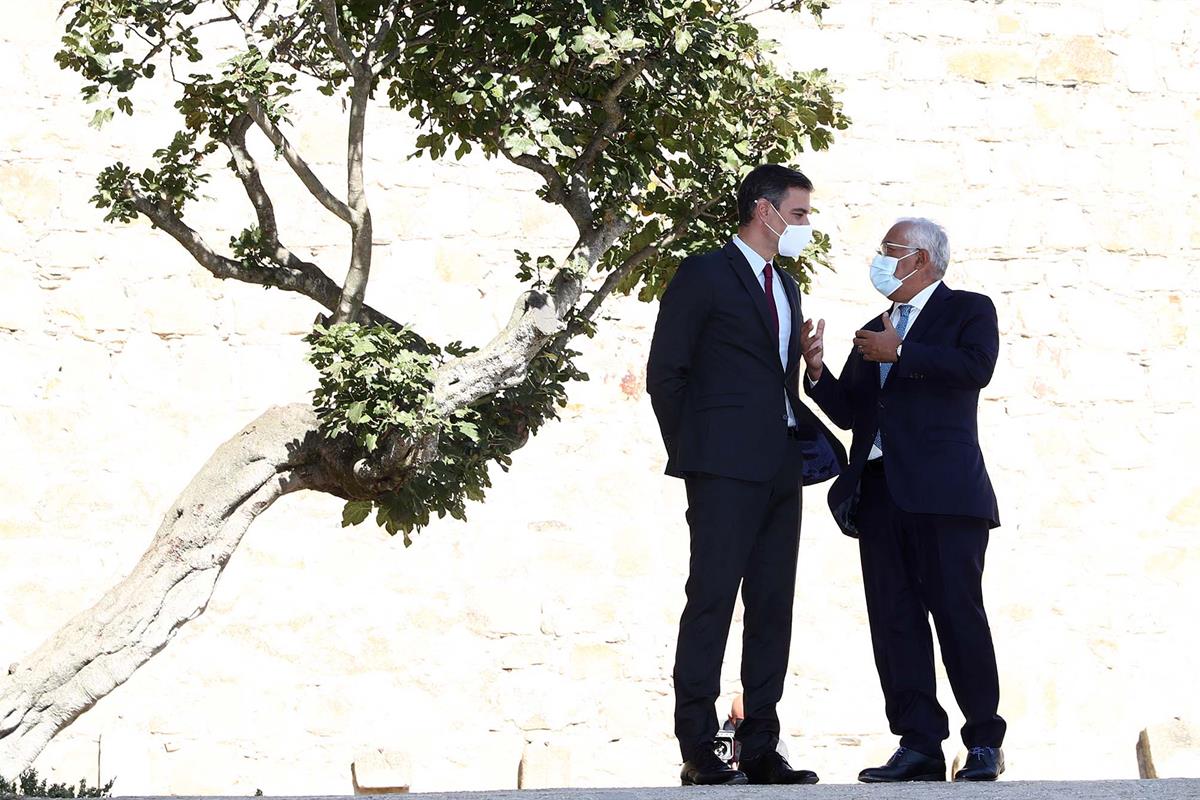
(914, 272)
(776, 210)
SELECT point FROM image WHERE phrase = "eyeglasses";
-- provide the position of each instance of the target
(883, 247)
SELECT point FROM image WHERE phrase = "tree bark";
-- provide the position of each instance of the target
(354, 289)
(97, 651)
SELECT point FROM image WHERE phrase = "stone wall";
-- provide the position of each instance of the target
(1055, 140)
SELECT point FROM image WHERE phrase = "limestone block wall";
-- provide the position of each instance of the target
(1056, 141)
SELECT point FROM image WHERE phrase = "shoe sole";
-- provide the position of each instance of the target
(793, 783)
(738, 780)
(931, 778)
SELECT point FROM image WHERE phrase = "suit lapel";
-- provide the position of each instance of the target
(933, 307)
(750, 281)
(929, 312)
(792, 290)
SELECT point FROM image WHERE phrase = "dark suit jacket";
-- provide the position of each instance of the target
(926, 412)
(715, 380)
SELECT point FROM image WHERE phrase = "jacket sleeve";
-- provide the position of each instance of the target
(830, 395)
(682, 314)
(969, 364)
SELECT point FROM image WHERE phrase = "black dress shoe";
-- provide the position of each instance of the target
(771, 767)
(705, 769)
(906, 765)
(983, 764)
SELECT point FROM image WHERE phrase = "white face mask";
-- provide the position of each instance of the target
(794, 238)
(883, 273)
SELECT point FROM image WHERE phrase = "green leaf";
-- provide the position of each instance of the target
(683, 40)
(355, 511)
(625, 41)
(101, 118)
(356, 411)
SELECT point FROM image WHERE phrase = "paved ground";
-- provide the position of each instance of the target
(1173, 789)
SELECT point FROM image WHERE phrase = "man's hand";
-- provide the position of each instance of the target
(812, 345)
(879, 346)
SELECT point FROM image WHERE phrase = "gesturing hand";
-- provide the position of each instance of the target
(878, 346)
(812, 345)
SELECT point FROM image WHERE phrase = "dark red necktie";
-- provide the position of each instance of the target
(769, 288)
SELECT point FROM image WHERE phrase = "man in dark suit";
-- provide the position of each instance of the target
(723, 377)
(917, 496)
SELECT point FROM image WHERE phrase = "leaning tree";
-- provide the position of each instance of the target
(639, 117)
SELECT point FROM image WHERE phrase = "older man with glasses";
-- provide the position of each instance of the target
(917, 496)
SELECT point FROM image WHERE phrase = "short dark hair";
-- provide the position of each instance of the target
(770, 181)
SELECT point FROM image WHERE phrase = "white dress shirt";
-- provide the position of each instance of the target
(759, 265)
(917, 303)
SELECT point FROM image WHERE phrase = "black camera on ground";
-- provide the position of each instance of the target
(726, 747)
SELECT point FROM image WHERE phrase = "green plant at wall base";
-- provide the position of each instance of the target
(28, 785)
(376, 381)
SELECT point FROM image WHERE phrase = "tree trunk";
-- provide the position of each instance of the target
(280, 452)
(99, 649)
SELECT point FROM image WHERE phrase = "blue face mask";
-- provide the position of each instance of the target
(883, 273)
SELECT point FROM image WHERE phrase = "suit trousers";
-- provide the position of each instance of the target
(915, 566)
(747, 534)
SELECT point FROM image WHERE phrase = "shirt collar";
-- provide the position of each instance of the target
(754, 259)
(921, 298)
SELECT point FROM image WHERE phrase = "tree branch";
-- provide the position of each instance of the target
(556, 188)
(355, 287)
(247, 171)
(387, 60)
(384, 30)
(577, 205)
(155, 49)
(247, 26)
(280, 47)
(333, 35)
(388, 21)
(295, 275)
(649, 251)
(536, 319)
(574, 195)
(297, 163)
(613, 117)
(262, 5)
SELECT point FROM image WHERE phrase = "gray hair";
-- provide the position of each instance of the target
(929, 236)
